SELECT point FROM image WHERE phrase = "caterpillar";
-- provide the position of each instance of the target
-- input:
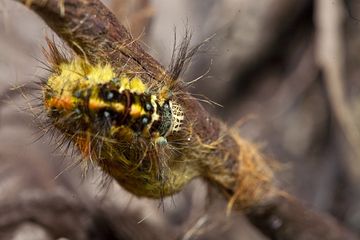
(135, 121)
(114, 103)
(149, 135)
(128, 127)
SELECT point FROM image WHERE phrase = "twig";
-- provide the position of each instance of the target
(213, 151)
(288, 219)
(62, 215)
(331, 59)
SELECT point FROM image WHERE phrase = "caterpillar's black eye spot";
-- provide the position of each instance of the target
(109, 96)
(77, 111)
(77, 93)
(145, 100)
(148, 107)
(166, 106)
(145, 120)
(106, 114)
(140, 123)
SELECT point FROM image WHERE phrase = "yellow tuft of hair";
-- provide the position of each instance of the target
(78, 74)
(100, 74)
(124, 82)
(137, 86)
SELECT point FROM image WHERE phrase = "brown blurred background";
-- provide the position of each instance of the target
(285, 71)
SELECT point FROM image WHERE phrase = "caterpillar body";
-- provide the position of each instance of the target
(114, 102)
(119, 122)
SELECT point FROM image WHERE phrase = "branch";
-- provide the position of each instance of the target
(288, 219)
(211, 150)
(61, 215)
(331, 59)
(91, 29)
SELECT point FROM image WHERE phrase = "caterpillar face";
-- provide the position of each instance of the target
(83, 99)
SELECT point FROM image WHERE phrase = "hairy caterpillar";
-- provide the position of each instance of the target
(150, 135)
(128, 127)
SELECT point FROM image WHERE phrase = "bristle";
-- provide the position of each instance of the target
(182, 55)
(53, 55)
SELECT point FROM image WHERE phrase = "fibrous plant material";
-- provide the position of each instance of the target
(135, 120)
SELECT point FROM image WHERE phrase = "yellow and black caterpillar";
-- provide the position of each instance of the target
(94, 94)
(129, 128)
(145, 131)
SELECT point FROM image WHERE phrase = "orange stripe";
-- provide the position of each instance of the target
(83, 143)
(95, 104)
(63, 102)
